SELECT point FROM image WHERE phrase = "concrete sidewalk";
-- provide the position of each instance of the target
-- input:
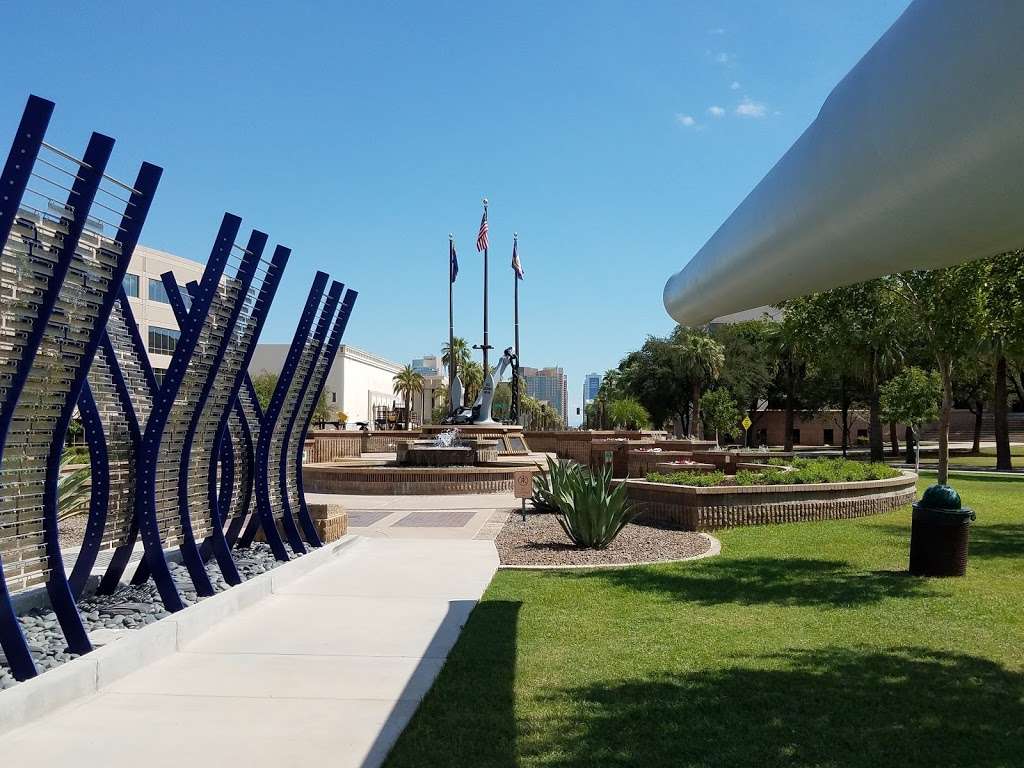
(329, 669)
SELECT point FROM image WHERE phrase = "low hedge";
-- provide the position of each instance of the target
(796, 472)
(702, 479)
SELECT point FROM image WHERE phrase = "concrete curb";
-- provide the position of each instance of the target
(89, 674)
(715, 549)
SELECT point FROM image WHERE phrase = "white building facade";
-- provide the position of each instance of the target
(142, 283)
(358, 381)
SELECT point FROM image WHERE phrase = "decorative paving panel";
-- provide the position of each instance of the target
(453, 518)
(364, 518)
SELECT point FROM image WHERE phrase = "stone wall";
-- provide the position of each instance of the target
(693, 509)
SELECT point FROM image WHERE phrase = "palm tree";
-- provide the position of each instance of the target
(472, 380)
(703, 358)
(408, 383)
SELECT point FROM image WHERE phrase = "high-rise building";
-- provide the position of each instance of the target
(591, 386)
(548, 385)
(428, 365)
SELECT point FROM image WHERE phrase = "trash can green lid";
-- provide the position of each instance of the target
(940, 497)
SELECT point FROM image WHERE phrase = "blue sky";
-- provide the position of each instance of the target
(613, 137)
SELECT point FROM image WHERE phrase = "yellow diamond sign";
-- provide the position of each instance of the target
(746, 422)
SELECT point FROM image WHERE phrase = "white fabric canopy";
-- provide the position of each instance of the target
(916, 160)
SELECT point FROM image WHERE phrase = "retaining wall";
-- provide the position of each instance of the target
(694, 509)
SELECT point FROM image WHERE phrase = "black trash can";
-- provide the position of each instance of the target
(939, 533)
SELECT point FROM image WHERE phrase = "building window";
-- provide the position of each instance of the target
(796, 437)
(830, 436)
(157, 292)
(131, 284)
(334, 397)
(162, 341)
(160, 373)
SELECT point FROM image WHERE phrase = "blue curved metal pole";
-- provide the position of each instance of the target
(128, 234)
(264, 471)
(99, 492)
(157, 424)
(313, 353)
(27, 141)
(312, 397)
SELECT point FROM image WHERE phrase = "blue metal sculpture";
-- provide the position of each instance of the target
(59, 284)
(270, 449)
(318, 379)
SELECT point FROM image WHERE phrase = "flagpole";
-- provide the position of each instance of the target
(451, 324)
(515, 279)
(487, 346)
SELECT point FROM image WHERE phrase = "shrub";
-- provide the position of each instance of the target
(628, 413)
(769, 476)
(588, 512)
(702, 479)
(823, 471)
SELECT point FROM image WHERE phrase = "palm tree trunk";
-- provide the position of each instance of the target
(894, 439)
(875, 415)
(695, 425)
(844, 411)
(1000, 413)
(787, 427)
(979, 414)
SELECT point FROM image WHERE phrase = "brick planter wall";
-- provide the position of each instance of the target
(696, 509)
(642, 462)
(403, 481)
(331, 444)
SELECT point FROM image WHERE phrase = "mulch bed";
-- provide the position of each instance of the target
(541, 541)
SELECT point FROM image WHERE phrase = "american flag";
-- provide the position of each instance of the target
(481, 237)
(516, 265)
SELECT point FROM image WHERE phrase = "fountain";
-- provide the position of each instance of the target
(447, 449)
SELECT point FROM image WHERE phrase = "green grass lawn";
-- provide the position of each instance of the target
(986, 459)
(800, 645)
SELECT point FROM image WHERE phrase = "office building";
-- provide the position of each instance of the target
(548, 385)
(591, 386)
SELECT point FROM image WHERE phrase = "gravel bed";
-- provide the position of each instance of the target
(126, 609)
(541, 541)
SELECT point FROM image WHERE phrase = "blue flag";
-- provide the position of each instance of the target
(453, 261)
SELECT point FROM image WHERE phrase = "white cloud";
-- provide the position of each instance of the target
(716, 111)
(723, 58)
(686, 120)
(750, 108)
(735, 85)
(717, 31)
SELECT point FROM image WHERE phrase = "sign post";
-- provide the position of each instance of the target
(522, 487)
(746, 425)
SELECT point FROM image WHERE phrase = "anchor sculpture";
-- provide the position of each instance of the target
(480, 411)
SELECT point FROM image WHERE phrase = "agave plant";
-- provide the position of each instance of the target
(72, 487)
(554, 482)
(590, 514)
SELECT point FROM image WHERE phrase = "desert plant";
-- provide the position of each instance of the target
(72, 486)
(555, 483)
(590, 514)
